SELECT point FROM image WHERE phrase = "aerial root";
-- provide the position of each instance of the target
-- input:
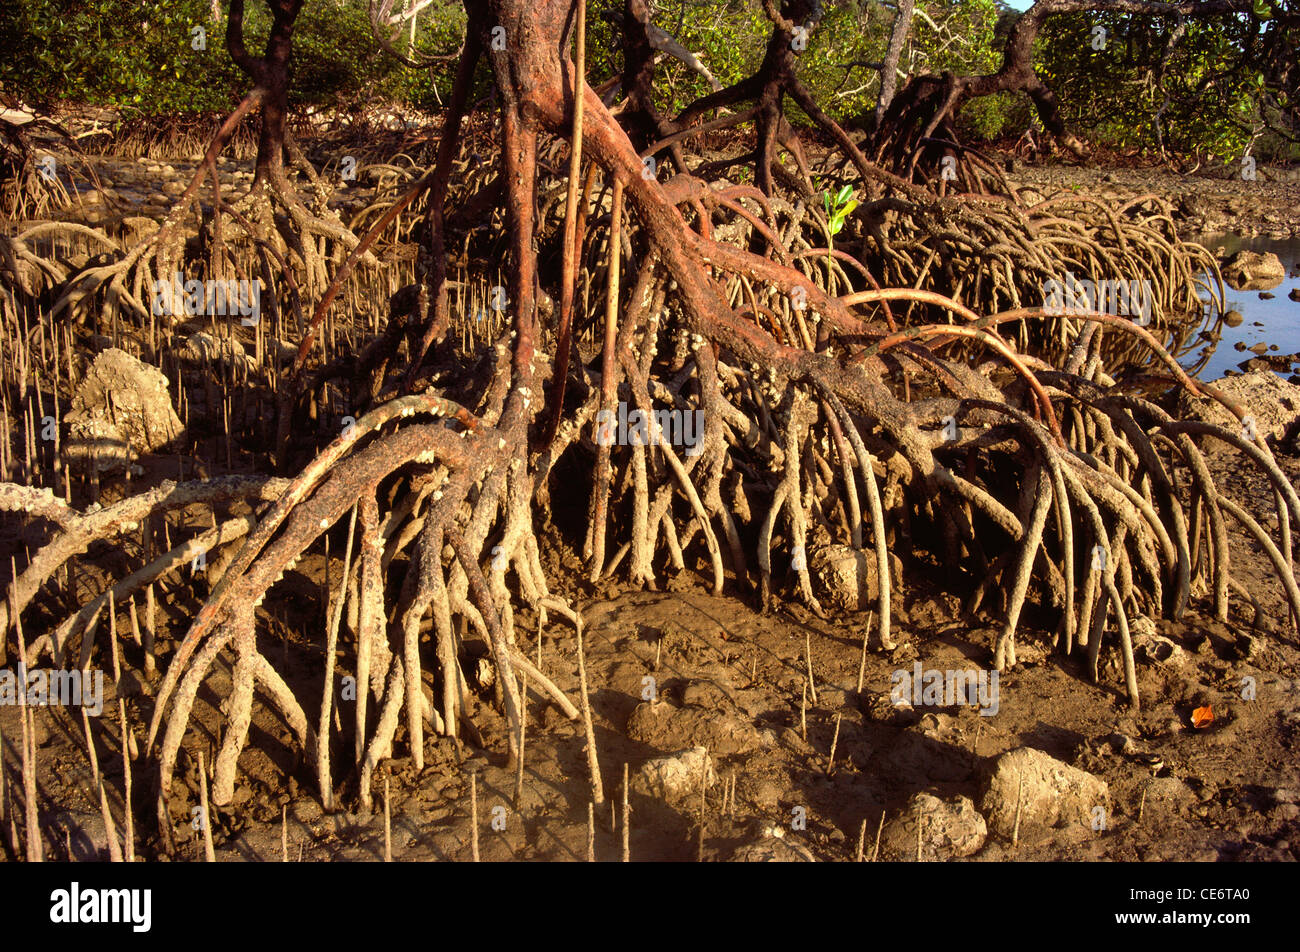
(1040, 476)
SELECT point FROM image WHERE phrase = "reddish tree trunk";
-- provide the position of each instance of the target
(270, 73)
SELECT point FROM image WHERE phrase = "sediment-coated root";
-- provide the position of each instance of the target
(902, 394)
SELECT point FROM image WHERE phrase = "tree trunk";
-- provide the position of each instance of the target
(270, 73)
(889, 70)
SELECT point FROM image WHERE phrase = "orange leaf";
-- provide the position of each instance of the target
(1202, 717)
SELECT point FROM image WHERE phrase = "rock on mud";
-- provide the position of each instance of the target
(202, 348)
(849, 575)
(707, 718)
(1272, 401)
(676, 776)
(1152, 646)
(135, 228)
(773, 847)
(949, 828)
(1251, 271)
(1049, 793)
(122, 410)
(1166, 796)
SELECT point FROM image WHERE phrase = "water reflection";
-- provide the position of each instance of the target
(1274, 322)
(1219, 341)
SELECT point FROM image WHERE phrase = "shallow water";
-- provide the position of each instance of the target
(1274, 322)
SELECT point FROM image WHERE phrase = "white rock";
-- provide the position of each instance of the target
(949, 828)
(677, 775)
(121, 410)
(1151, 646)
(1047, 792)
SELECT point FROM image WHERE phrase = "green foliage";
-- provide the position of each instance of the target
(728, 36)
(964, 41)
(134, 55)
(140, 56)
(989, 118)
(334, 54)
(1117, 95)
(347, 63)
(838, 208)
(849, 33)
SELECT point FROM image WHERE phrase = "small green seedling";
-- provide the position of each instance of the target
(837, 210)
